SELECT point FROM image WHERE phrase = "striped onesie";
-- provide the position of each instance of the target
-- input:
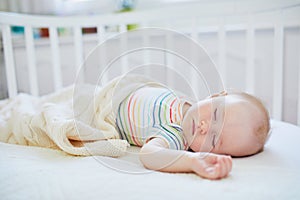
(150, 112)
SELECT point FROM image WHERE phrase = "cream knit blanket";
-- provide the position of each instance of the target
(79, 120)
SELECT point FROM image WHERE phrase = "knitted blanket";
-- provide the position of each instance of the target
(79, 119)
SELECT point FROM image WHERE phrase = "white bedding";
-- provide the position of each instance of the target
(83, 113)
(39, 173)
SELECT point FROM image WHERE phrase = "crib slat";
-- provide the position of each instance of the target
(195, 36)
(194, 30)
(278, 71)
(31, 61)
(146, 53)
(169, 58)
(102, 52)
(222, 52)
(78, 53)
(250, 67)
(147, 59)
(101, 35)
(298, 117)
(57, 74)
(124, 59)
(9, 61)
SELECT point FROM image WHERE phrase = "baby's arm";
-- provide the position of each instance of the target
(155, 155)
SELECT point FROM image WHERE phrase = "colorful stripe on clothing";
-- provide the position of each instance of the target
(151, 112)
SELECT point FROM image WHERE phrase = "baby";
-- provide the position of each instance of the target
(177, 135)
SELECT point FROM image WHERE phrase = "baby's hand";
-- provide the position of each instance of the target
(211, 166)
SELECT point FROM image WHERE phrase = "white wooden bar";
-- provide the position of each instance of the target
(169, 61)
(195, 36)
(124, 43)
(57, 74)
(250, 58)
(100, 34)
(31, 61)
(146, 52)
(278, 71)
(78, 53)
(9, 61)
(194, 30)
(298, 115)
(222, 52)
(102, 52)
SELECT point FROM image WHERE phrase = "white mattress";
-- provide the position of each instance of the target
(37, 173)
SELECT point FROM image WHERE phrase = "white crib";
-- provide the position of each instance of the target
(256, 47)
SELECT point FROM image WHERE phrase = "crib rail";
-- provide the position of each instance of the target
(225, 17)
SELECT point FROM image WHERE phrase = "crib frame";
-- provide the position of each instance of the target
(237, 16)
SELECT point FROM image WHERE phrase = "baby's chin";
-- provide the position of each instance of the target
(196, 148)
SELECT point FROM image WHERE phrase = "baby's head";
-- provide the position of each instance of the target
(234, 123)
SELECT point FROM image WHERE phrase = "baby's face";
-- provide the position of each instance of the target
(224, 126)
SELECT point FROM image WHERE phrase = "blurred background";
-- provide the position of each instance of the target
(71, 7)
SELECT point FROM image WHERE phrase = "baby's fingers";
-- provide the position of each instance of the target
(224, 167)
(219, 170)
(213, 166)
(226, 163)
(230, 163)
(214, 172)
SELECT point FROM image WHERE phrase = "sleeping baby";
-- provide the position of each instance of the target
(179, 135)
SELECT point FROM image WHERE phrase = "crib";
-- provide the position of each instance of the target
(255, 46)
(233, 37)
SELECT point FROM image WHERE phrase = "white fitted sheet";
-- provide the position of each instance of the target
(38, 173)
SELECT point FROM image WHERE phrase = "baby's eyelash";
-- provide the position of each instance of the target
(215, 114)
(213, 141)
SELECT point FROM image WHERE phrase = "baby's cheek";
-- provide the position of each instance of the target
(195, 146)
